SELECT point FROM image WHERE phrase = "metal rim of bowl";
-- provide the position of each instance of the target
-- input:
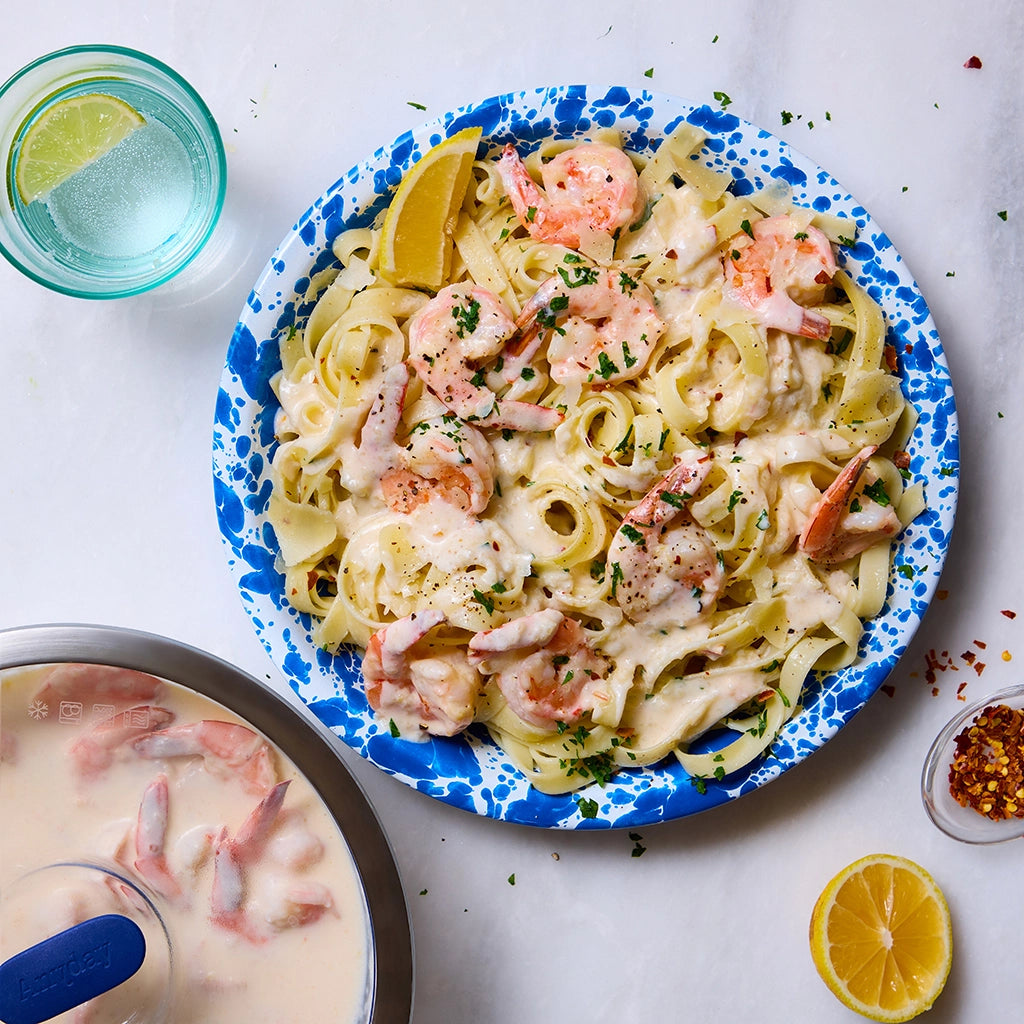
(315, 751)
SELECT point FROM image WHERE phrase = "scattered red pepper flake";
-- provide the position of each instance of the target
(972, 62)
(959, 691)
(969, 656)
(987, 771)
(979, 667)
(888, 689)
(941, 595)
(980, 643)
(1009, 614)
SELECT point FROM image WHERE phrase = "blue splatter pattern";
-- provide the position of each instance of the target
(469, 771)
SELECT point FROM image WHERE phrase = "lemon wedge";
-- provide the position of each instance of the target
(416, 243)
(68, 136)
(881, 938)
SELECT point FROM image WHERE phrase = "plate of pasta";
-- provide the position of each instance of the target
(628, 511)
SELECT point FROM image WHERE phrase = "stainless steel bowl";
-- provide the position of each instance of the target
(313, 749)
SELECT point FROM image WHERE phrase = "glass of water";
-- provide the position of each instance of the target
(114, 171)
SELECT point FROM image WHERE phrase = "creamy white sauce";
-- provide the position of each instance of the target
(312, 971)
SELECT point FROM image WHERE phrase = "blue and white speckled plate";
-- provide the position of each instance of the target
(470, 771)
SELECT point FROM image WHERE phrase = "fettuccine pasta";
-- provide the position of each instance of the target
(623, 483)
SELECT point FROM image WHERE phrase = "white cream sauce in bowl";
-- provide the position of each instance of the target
(223, 804)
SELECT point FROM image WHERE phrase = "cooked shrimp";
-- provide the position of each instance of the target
(543, 665)
(611, 327)
(294, 904)
(94, 752)
(664, 568)
(232, 855)
(785, 267)
(835, 531)
(441, 457)
(590, 187)
(419, 688)
(226, 749)
(451, 338)
(92, 686)
(150, 835)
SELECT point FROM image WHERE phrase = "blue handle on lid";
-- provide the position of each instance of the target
(70, 968)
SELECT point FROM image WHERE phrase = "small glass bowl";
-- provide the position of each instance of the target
(964, 823)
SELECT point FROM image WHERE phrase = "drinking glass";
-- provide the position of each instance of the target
(132, 218)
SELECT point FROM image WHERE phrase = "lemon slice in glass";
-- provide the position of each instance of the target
(881, 938)
(416, 243)
(68, 136)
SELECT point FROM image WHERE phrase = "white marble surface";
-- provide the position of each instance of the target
(106, 509)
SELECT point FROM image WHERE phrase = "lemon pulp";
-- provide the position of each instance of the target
(417, 236)
(881, 938)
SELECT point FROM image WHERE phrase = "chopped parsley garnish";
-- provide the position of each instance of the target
(745, 226)
(393, 729)
(624, 443)
(479, 379)
(466, 319)
(762, 520)
(528, 373)
(1001, 215)
(499, 587)
(800, 236)
(531, 213)
(588, 808)
(627, 357)
(417, 106)
(877, 493)
(907, 571)
(605, 367)
(848, 242)
(722, 98)
(482, 598)
(787, 116)
(734, 499)
(512, 879)
(616, 576)
(597, 568)
(649, 73)
(631, 533)
(673, 499)
(627, 284)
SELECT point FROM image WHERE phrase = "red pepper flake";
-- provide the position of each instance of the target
(888, 689)
(959, 691)
(972, 62)
(1008, 613)
(969, 656)
(980, 643)
(889, 352)
(987, 771)
(979, 667)
(941, 595)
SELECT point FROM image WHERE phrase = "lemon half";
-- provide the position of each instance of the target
(67, 137)
(416, 242)
(881, 938)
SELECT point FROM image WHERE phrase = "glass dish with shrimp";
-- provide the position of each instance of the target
(629, 512)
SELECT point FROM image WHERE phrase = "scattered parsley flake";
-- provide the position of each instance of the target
(786, 117)
(649, 73)
(394, 730)
(512, 879)
(418, 106)
(906, 571)
(605, 367)
(1001, 215)
(723, 98)
(483, 599)
(631, 533)
(588, 808)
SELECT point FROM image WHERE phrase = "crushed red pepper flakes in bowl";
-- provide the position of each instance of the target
(972, 783)
(987, 772)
